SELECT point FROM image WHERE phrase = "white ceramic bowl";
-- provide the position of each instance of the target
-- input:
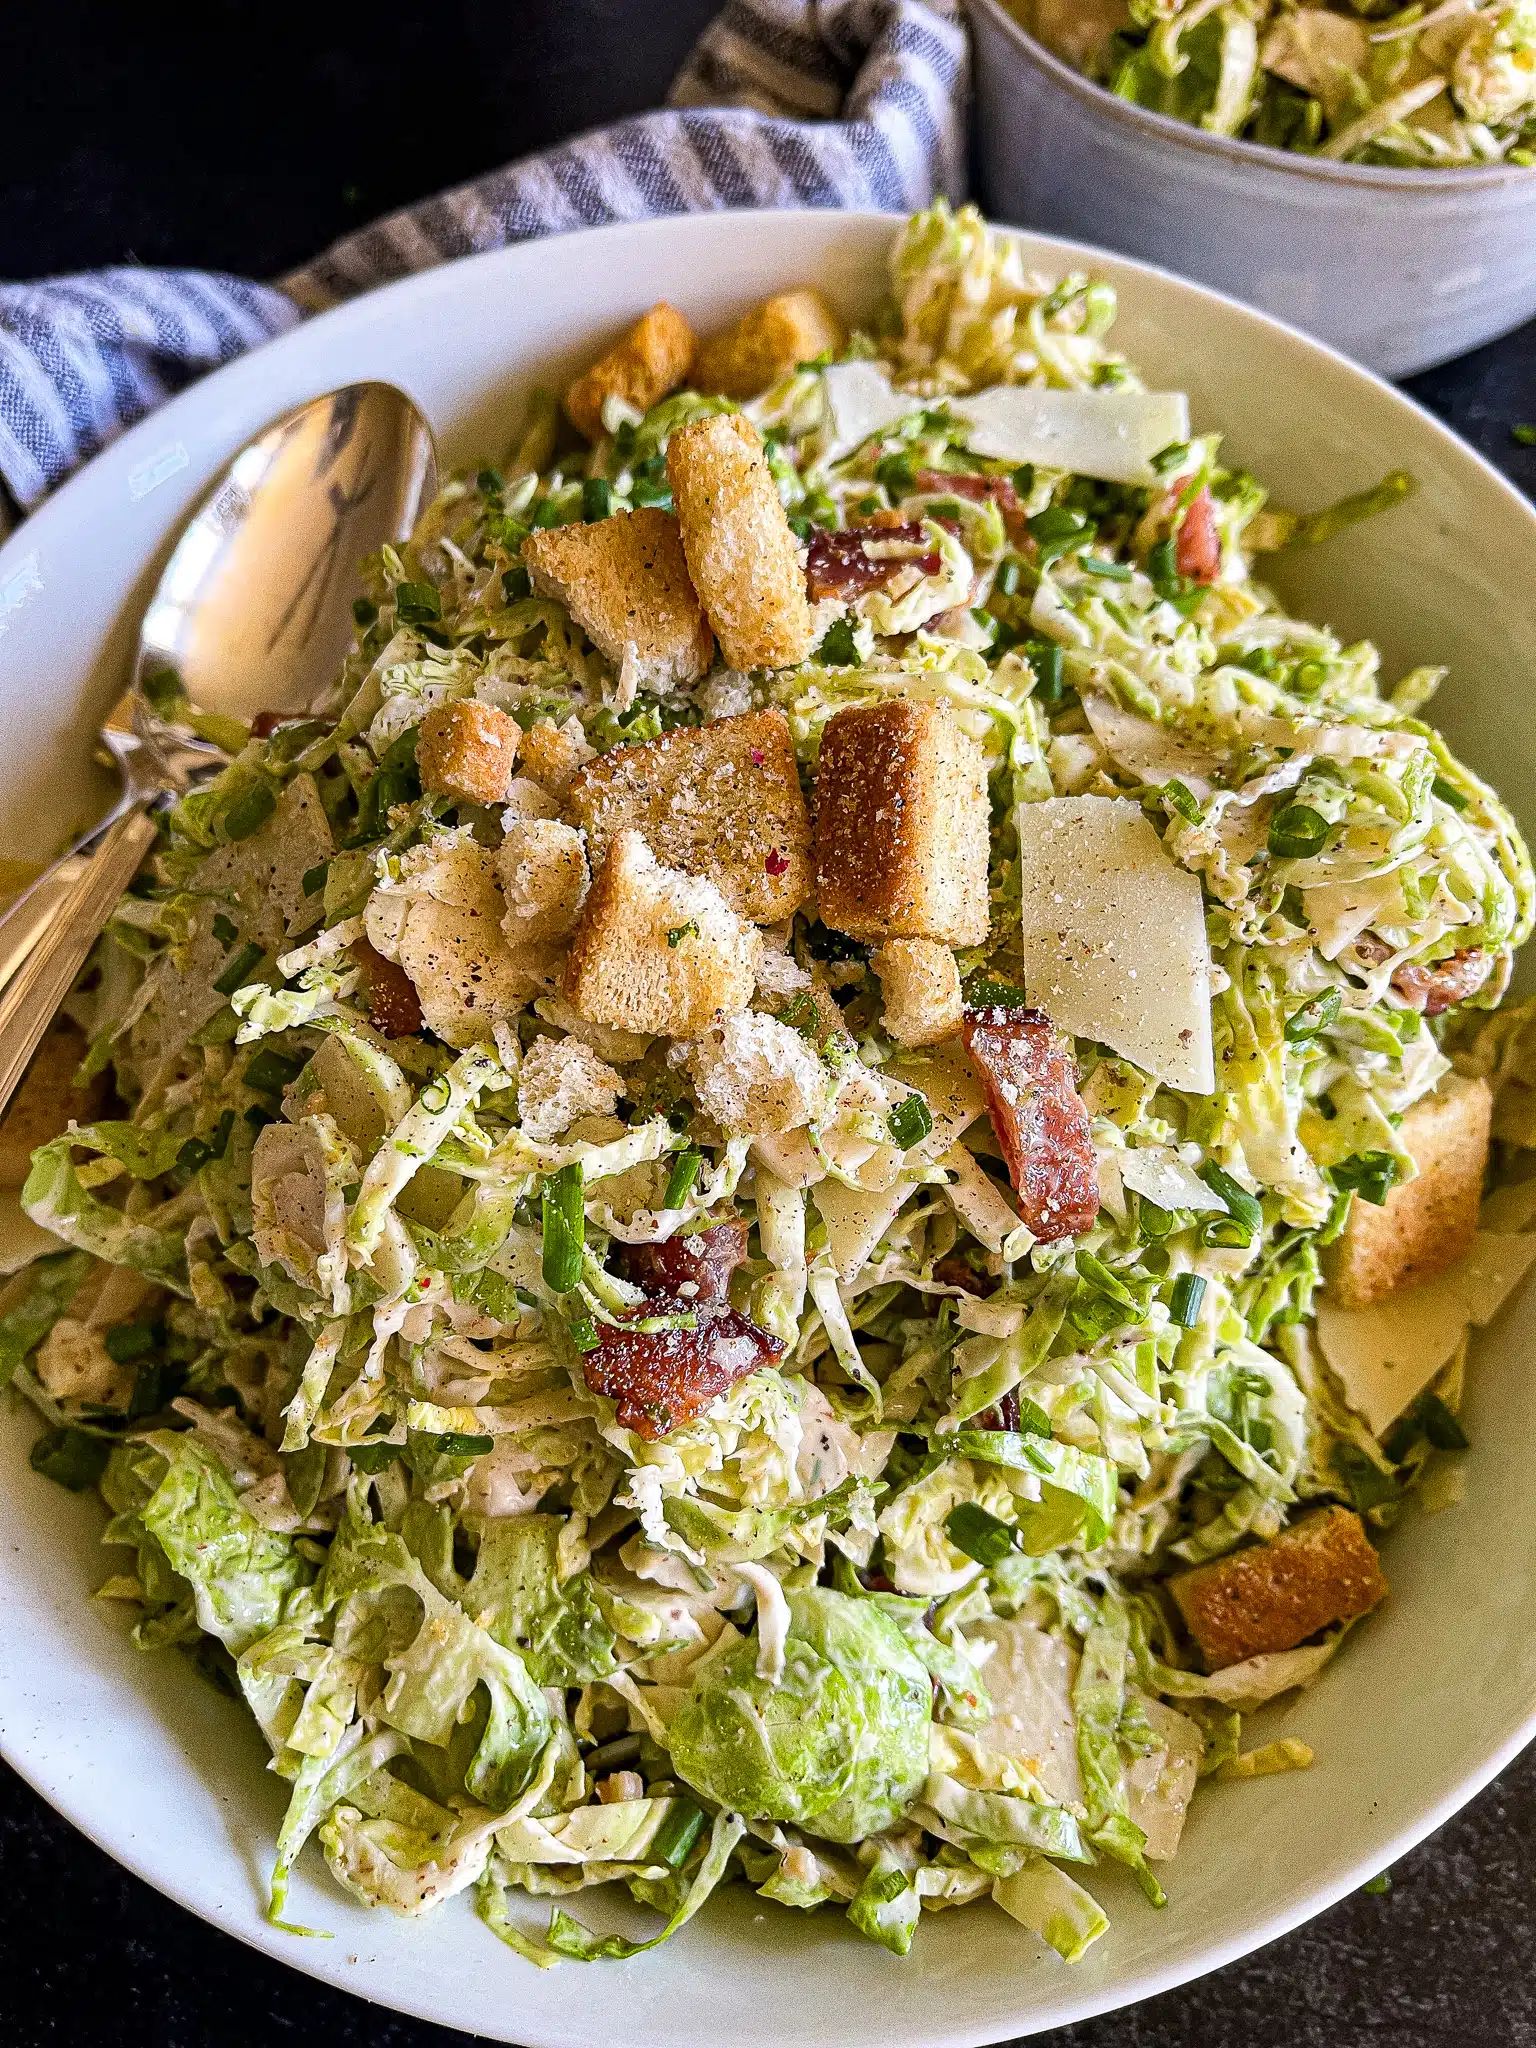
(1400, 269)
(1434, 1694)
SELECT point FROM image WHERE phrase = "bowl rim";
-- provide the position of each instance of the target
(63, 1788)
(1230, 150)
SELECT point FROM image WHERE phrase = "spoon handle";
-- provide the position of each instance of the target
(40, 984)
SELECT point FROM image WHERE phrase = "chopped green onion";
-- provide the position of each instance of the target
(490, 483)
(224, 931)
(417, 604)
(247, 814)
(1006, 581)
(1155, 1221)
(364, 612)
(127, 1341)
(455, 1443)
(685, 1171)
(897, 474)
(372, 1459)
(1297, 832)
(910, 1121)
(1024, 479)
(1364, 1481)
(980, 1535)
(1440, 1424)
(1377, 1887)
(1184, 801)
(1098, 1275)
(1098, 565)
(1185, 1300)
(1168, 459)
(238, 970)
(984, 991)
(1524, 433)
(565, 1228)
(315, 878)
(1448, 793)
(596, 498)
(679, 932)
(1370, 1175)
(1245, 1217)
(1044, 657)
(674, 1839)
(1318, 1015)
(584, 1333)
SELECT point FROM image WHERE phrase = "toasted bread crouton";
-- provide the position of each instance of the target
(552, 754)
(720, 800)
(46, 1100)
(1427, 1223)
(625, 583)
(743, 558)
(755, 1074)
(767, 343)
(921, 987)
(544, 878)
(902, 825)
(657, 950)
(466, 750)
(652, 359)
(563, 1079)
(1274, 1595)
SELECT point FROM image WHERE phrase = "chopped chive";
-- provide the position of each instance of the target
(1006, 581)
(1156, 1222)
(1024, 479)
(897, 474)
(685, 1171)
(417, 604)
(224, 931)
(584, 1333)
(455, 1443)
(565, 1228)
(1245, 1217)
(1318, 1015)
(1185, 1300)
(371, 1459)
(127, 1341)
(596, 498)
(364, 612)
(1370, 1175)
(1098, 565)
(1184, 801)
(1364, 1481)
(1448, 793)
(314, 878)
(980, 1535)
(1044, 657)
(1297, 832)
(1098, 1275)
(675, 1838)
(238, 969)
(910, 1121)
(489, 483)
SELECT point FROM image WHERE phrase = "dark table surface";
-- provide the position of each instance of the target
(244, 137)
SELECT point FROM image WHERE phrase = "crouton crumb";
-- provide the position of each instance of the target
(920, 983)
(467, 750)
(544, 878)
(756, 1074)
(561, 1080)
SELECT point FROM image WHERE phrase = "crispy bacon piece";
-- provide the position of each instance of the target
(393, 1005)
(961, 484)
(661, 1379)
(1433, 989)
(1197, 545)
(838, 566)
(1026, 1069)
(954, 1271)
(696, 1264)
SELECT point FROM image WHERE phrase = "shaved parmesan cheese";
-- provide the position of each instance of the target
(1159, 1174)
(1158, 1785)
(1114, 936)
(949, 1083)
(1149, 752)
(861, 401)
(1385, 1355)
(856, 1220)
(1107, 434)
(1029, 1677)
(1339, 912)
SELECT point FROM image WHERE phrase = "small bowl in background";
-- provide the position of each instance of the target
(1400, 269)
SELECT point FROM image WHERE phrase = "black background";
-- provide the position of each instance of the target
(245, 136)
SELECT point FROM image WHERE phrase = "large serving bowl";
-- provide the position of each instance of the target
(1433, 1694)
(1400, 269)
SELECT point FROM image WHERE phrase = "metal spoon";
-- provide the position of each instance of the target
(252, 614)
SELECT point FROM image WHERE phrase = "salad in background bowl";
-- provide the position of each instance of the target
(1363, 173)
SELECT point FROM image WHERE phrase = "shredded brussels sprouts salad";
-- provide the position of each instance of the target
(660, 1359)
(1361, 81)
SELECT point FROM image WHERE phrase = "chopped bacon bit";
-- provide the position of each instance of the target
(777, 862)
(1434, 989)
(1197, 545)
(1026, 1069)
(265, 723)
(393, 1005)
(837, 565)
(1003, 1414)
(954, 1271)
(661, 1379)
(696, 1262)
(961, 484)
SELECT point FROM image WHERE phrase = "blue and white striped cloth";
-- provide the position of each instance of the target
(782, 103)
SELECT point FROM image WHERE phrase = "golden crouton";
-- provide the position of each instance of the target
(921, 987)
(721, 800)
(1427, 1223)
(543, 869)
(743, 558)
(767, 343)
(1274, 1595)
(625, 583)
(467, 750)
(902, 825)
(553, 753)
(652, 359)
(657, 950)
(46, 1100)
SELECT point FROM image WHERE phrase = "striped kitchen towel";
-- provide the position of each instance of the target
(782, 103)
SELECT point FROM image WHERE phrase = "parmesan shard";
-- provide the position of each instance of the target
(1108, 434)
(1114, 937)
(1385, 1356)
